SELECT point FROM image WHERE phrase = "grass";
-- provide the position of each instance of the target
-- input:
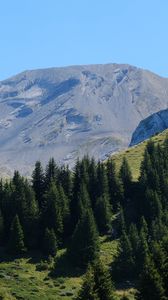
(135, 154)
(21, 280)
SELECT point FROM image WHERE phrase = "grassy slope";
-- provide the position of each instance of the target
(134, 154)
(19, 279)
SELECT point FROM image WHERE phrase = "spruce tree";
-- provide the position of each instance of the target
(102, 181)
(97, 284)
(103, 214)
(124, 265)
(52, 215)
(38, 183)
(126, 178)
(115, 187)
(51, 172)
(50, 242)
(84, 247)
(16, 242)
(150, 285)
(88, 290)
(103, 282)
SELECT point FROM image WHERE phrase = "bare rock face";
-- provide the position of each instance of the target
(150, 126)
(68, 112)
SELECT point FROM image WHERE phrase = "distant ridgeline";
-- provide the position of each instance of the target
(63, 208)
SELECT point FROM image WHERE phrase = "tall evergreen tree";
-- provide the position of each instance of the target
(103, 282)
(151, 285)
(103, 215)
(16, 243)
(126, 178)
(38, 183)
(52, 215)
(51, 173)
(97, 284)
(115, 187)
(50, 242)
(84, 247)
(88, 290)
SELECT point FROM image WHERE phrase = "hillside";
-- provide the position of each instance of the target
(134, 154)
(67, 112)
(28, 276)
(36, 284)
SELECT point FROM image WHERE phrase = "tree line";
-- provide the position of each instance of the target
(63, 208)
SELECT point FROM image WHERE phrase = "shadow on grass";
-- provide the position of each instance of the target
(33, 257)
(64, 268)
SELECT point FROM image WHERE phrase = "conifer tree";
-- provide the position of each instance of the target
(115, 187)
(126, 178)
(16, 242)
(65, 211)
(97, 284)
(102, 181)
(103, 282)
(80, 202)
(84, 247)
(51, 173)
(152, 205)
(49, 243)
(65, 180)
(124, 265)
(38, 183)
(30, 218)
(52, 216)
(103, 215)
(150, 285)
(134, 240)
(88, 290)
(92, 185)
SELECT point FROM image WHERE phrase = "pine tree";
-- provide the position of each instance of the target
(49, 243)
(92, 185)
(126, 178)
(65, 180)
(152, 205)
(103, 215)
(124, 265)
(134, 240)
(38, 183)
(115, 187)
(150, 285)
(103, 282)
(97, 284)
(29, 216)
(80, 202)
(16, 242)
(51, 173)
(84, 247)
(88, 290)
(102, 181)
(52, 215)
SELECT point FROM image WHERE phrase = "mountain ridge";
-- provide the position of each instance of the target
(71, 111)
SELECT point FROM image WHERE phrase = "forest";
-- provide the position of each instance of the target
(62, 208)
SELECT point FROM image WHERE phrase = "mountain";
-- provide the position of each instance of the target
(68, 112)
(150, 126)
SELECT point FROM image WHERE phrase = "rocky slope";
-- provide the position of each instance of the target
(68, 112)
(150, 126)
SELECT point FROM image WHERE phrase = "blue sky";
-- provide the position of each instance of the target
(39, 33)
